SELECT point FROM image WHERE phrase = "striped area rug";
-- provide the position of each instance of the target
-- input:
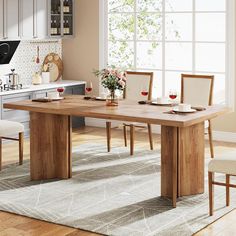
(110, 193)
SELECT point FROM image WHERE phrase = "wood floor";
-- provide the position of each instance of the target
(13, 225)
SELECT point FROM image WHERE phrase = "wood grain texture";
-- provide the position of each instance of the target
(191, 146)
(50, 146)
(21, 148)
(75, 105)
(169, 158)
(211, 193)
(182, 161)
(108, 130)
(150, 136)
(132, 134)
(15, 225)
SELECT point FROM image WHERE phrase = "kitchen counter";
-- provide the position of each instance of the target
(32, 88)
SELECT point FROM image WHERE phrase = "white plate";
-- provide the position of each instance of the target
(176, 109)
(161, 104)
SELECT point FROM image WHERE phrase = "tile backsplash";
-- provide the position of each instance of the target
(24, 58)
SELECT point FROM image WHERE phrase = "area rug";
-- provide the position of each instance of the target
(110, 193)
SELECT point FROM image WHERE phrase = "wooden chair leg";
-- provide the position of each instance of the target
(210, 139)
(227, 190)
(0, 154)
(150, 136)
(125, 135)
(211, 193)
(21, 148)
(131, 140)
(108, 129)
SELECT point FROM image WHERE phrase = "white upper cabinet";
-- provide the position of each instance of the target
(36, 19)
(41, 19)
(11, 13)
(1, 19)
(26, 18)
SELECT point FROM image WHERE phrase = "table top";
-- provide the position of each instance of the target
(76, 105)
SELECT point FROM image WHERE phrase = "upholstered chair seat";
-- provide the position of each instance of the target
(8, 128)
(224, 165)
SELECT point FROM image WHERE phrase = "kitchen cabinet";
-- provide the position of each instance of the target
(26, 18)
(33, 19)
(61, 18)
(23, 116)
(11, 19)
(1, 18)
(36, 19)
(41, 19)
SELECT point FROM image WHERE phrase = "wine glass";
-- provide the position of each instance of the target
(173, 95)
(61, 90)
(89, 88)
(144, 91)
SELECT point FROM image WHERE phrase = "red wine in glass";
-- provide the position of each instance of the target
(60, 90)
(173, 96)
(144, 93)
(88, 90)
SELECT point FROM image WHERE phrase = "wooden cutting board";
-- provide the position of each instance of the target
(55, 66)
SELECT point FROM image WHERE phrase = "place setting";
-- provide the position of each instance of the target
(88, 93)
(52, 96)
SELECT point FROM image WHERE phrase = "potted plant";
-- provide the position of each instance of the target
(112, 79)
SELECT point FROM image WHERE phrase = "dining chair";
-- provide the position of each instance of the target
(134, 84)
(227, 166)
(197, 90)
(7, 130)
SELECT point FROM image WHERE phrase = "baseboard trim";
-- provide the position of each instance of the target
(217, 135)
(224, 136)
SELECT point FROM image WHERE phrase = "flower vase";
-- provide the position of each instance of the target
(112, 99)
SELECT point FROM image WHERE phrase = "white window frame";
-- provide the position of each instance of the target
(230, 47)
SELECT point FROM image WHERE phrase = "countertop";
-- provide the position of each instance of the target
(33, 88)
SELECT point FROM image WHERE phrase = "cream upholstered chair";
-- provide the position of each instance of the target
(7, 130)
(197, 90)
(225, 166)
(134, 84)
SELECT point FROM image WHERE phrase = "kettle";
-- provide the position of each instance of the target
(13, 78)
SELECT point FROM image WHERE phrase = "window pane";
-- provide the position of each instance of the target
(210, 27)
(179, 26)
(157, 85)
(179, 56)
(210, 5)
(149, 55)
(172, 82)
(121, 54)
(219, 89)
(179, 5)
(121, 26)
(149, 5)
(210, 57)
(149, 26)
(121, 5)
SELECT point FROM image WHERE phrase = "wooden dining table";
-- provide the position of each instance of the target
(182, 138)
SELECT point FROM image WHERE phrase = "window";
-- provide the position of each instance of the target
(171, 37)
